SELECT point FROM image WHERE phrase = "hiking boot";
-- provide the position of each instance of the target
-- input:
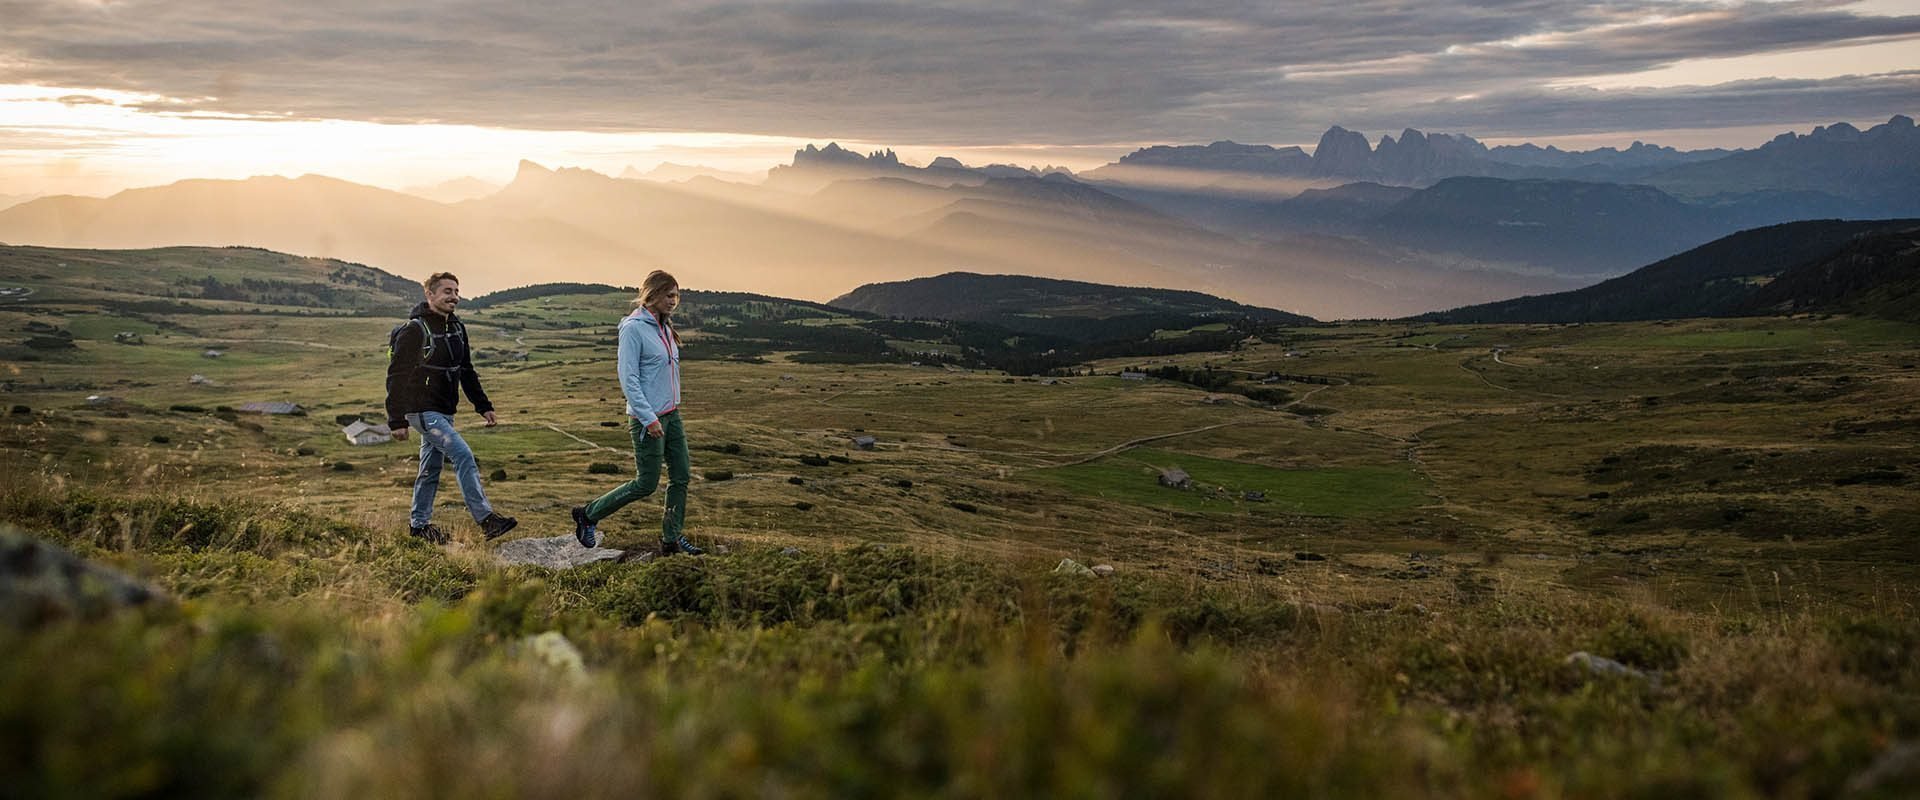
(430, 533)
(681, 545)
(496, 526)
(583, 528)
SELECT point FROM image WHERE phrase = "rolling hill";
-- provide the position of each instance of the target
(1072, 309)
(202, 280)
(1822, 265)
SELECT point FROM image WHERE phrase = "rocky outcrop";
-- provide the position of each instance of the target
(42, 582)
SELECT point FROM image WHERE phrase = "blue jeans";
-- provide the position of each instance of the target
(440, 443)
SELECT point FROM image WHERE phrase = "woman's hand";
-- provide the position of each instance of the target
(654, 431)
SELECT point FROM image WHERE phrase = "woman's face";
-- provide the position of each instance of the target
(665, 302)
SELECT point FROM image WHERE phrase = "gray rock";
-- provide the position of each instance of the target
(1102, 570)
(1897, 766)
(1600, 665)
(558, 552)
(790, 552)
(42, 582)
(1069, 566)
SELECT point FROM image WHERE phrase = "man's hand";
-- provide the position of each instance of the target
(491, 421)
(400, 434)
(654, 431)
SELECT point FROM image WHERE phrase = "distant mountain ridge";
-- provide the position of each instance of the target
(815, 167)
(1824, 265)
(1415, 158)
(1879, 164)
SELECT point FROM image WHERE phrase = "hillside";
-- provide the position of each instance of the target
(1020, 302)
(1877, 275)
(1567, 226)
(203, 279)
(1826, 265)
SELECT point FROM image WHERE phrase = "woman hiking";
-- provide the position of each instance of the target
(649, 367)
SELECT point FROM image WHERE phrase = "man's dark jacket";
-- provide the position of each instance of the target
(415, 385)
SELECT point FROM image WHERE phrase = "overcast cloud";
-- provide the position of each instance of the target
(974, 74)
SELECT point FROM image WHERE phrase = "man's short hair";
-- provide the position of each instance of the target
(437, 277)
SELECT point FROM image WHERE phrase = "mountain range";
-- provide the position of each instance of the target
(1872, 165)
(1418, 222)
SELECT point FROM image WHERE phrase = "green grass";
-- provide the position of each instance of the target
(1728, 507)
(313, 657)
(1338, 492)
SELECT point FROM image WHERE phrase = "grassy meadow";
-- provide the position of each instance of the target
(1726, 507)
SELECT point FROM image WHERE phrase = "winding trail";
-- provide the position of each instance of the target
(556, 429)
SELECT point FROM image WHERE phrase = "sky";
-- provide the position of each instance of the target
(99, 95)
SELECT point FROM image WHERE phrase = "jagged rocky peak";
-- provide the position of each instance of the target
(1341, 152)
(834, 154)
(528, 169)
(530, 172)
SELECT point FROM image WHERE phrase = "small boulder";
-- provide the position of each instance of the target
(1102, 570)
(1600, 665)
(556, 552)
(1069, 566)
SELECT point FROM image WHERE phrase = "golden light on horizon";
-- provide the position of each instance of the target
(69, 140)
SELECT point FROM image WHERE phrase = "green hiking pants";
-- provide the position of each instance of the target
(648, 452)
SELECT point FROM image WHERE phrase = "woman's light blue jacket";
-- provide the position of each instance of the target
(649, 360)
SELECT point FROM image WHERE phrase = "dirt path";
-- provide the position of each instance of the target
(556, 429)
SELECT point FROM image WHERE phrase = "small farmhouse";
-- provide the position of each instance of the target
(360, 432)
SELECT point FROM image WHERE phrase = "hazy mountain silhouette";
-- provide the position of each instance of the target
(1345, 208)
(815, 167)
(577, 225)
(669, 172)
(317, 216)
(1579, 227)
(1831, 265)
(10, 200)
(726, 243)
(454, 191)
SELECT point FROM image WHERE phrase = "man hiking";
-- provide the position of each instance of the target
(429, 361)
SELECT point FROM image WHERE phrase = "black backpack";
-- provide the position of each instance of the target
(427, 343)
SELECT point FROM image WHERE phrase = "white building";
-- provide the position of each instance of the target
(362, 433)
